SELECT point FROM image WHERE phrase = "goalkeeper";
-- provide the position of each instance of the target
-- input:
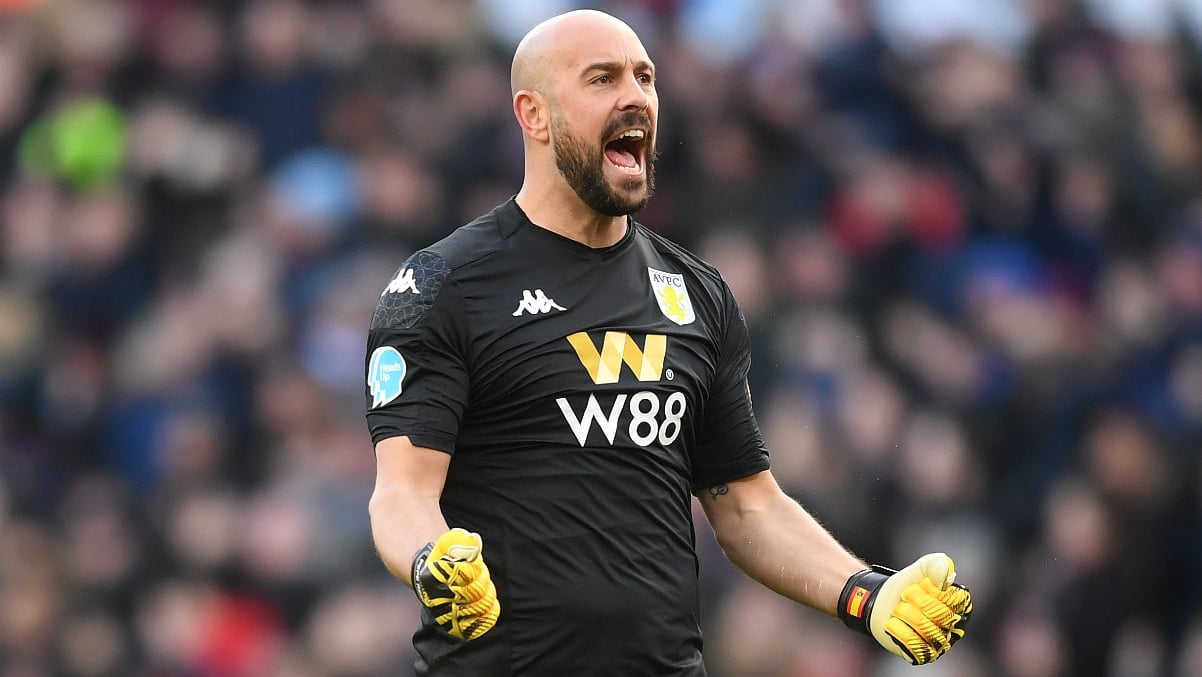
(549, 387)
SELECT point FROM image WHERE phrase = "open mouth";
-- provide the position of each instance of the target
(626, 151)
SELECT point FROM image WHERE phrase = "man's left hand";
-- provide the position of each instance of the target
(917, 613)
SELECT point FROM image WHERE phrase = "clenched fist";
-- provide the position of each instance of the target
(917, 613)
(452, 581)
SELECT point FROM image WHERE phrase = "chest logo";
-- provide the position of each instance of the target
(618, 348)
(672, 296)
(536, 303)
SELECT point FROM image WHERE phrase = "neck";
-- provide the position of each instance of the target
(559, 210)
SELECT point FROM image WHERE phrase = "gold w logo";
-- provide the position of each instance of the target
(617, 347)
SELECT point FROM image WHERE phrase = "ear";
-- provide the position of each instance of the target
(530, 108)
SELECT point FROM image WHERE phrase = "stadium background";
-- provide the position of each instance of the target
(967, 235)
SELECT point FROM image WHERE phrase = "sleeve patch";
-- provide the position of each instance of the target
(411, 292)
(385, 374)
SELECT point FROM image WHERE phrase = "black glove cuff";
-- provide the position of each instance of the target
(859, 595)
(419, 564)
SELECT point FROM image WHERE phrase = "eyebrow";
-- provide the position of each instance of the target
(614, 66)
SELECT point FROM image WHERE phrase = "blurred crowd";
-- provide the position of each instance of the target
(967, 236)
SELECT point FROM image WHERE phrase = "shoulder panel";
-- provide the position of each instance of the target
(417, 283)
(412, 292)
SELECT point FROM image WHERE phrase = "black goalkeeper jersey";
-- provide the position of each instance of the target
(583, 394)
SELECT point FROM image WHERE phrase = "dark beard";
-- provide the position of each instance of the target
(586, 176)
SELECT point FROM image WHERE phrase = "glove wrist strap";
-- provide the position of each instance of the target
(859, 595)
(419, 564)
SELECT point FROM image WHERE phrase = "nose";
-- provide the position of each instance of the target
(634, 96)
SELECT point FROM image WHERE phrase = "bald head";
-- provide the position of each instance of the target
(546, 47)
(584, 95)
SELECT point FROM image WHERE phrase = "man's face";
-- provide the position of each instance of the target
(603, 127)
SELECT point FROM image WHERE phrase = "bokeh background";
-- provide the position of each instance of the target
(967, 236)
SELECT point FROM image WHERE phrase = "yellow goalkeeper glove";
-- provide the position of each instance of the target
(452, 581)
(917, 613)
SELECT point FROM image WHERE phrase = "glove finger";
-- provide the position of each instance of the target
(454, 573)
(482, 609)
(477, 625)
(466, 625)
(470, 572)
(487, 620)
(441, 613)
(469, 582)
(953, 595)
(446, 621)
(478, 607)
(930, 633)
(957, 630)
(909, 643)
(931, 606)
(435, 592)
(455, 620)
(958, 599)
(916, 647)
(442, 570)
(476, 590)
(473, 620)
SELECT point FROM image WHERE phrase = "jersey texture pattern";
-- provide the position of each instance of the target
(403, 308)
(584, 395)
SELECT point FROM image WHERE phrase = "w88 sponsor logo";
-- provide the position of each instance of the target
(646, 419)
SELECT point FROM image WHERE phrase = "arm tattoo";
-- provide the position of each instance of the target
(719, 490)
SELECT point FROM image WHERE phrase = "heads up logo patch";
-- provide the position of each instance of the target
(385, 371)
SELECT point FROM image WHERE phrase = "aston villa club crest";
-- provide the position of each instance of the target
(672, 296)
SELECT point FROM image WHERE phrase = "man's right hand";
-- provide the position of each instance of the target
(452, 581)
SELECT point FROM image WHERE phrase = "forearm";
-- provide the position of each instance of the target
(402, 524)
(779, 544)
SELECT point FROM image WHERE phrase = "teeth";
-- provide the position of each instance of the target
(632, 134)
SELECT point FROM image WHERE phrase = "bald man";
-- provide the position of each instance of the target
(550, 386)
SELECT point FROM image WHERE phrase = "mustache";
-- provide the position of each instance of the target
(628, 120)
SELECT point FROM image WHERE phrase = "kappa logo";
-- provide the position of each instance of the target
(536, 303)
(403, 281)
